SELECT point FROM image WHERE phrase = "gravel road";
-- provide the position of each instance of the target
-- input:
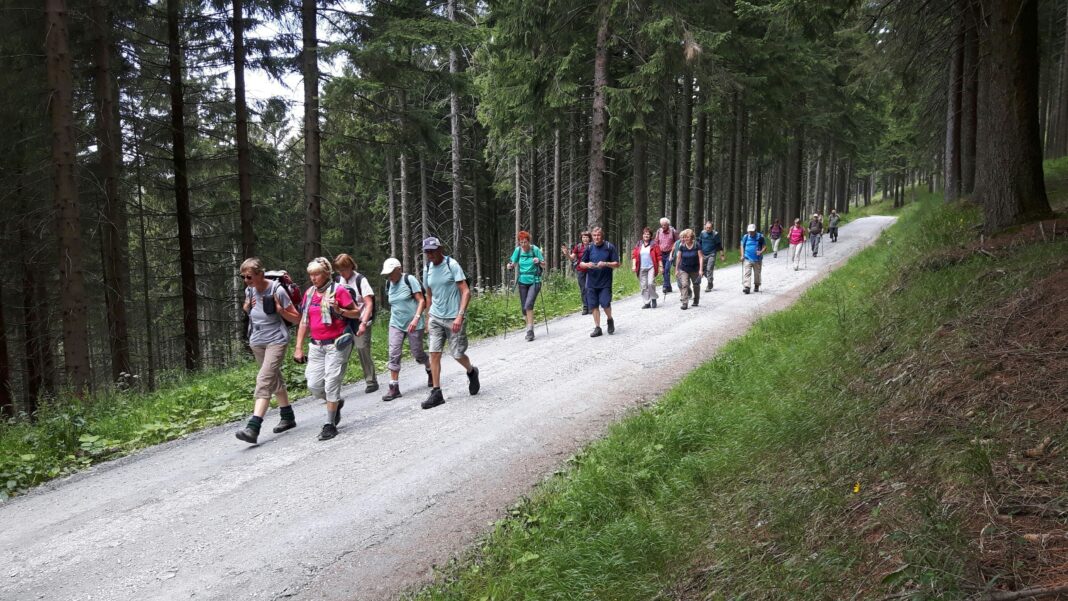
(367, 515)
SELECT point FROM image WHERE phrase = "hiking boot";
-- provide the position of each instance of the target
(684, 306)
(596, 332)
(435, 399)
(695, 303)
(645, 306)
(653, 302)
(708, 288)
(774, 255)
(337, 414)
(248, 435)
(585, 310)
(472, 380)
(611, 326)
(745, 290)
(371, 387)
(530, 335)
(756, 288)
(394, 392)
(429, 379)
(284, 424)
(329, 431)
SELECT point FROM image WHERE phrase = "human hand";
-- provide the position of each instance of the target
(413, 325)
(360, 331)
(457, 324)
(536, 260)
(509, 265)
(298, 355)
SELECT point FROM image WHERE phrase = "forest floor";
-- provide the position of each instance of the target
(401, 490)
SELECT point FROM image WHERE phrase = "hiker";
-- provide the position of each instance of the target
(365, 302)
(815, 232)
(776, 235)
(711, 243)
(406, 305)
(751, 252)
(832, 225)
(575, 256)
(326, 304)
(600, 259)
(688, 261)
(645, 261)
(447, 295)
(797, 243)
(666, 237)
(268, 307)
(530, 260)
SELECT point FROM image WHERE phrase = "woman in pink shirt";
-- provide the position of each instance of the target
(326, 306)
(797, 243)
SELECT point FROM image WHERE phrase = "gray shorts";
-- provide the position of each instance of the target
(441, 332)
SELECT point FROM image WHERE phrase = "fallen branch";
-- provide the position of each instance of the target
(1035, 592)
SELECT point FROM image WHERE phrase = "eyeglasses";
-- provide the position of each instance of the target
(246, 277)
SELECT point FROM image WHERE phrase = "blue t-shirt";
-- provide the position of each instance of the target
(710, 242)
(689, 261)
(529, 272)
(442, 282)
(751, 244)
(600, 277)
(402, 303)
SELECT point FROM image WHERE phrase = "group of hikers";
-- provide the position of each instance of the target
(335, 313)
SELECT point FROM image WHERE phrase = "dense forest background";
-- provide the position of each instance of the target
(136, 172)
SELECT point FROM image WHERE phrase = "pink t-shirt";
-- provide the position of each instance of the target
(320, 331)
(796, 235)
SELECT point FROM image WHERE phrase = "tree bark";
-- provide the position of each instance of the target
(7, 400)
(424, 200)
(664, 149)
(392, 199)
(405, 226)
(598, 124)
(312, 167)
(699, 190)
(554, 261)
(145, 298)
(1009, 179)
(794, 172)
(641, 184)
(113, 226)
(953, 114)
(518, 196)
(1061, 98)
(682, 216)
(454, 117)
(969, 100)
(244, 158)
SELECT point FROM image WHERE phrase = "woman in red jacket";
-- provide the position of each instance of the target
(645, 260)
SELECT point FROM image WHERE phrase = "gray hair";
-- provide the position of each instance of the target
(665, 221)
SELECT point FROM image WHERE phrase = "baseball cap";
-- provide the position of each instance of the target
(431, 243)
(751, 228)
(389, 265)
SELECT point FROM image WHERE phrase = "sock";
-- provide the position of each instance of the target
(255, 422)
(287, 413)
(330, 415)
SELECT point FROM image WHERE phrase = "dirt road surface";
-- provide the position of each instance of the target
(369, 513)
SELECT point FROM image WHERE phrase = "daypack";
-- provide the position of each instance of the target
(407, 282)
(270, 305)
(292, 289)
(351, 324)
(448, 265)
(355, 293)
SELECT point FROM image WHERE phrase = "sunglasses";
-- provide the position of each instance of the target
(246, 277)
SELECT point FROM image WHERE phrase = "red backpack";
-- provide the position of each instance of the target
(292, 289)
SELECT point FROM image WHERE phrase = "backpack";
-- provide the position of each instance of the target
(448, 265)
(356, 294)
(407, 282)
(269, 308)
(292, 289)
(351, 324)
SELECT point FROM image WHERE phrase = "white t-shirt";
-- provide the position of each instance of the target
(365, 289)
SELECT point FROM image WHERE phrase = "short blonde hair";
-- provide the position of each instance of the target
(344, 261)
(320, 265)
(253, 264)
(686, 233)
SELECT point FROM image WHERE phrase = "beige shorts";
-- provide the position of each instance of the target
(270, 380)
(441, 332)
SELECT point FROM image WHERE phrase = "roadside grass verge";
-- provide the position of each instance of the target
(69, 434)
(752, 477)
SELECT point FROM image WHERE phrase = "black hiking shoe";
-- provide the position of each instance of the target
(708, 289)
(756, 288)
(684, 307)
(611, 326)
(596, 332)
(329, 431)
(429, 379)
(248, 435)
(745, 290)
(285, 424)
(337, 414)
(585, 310)
(695, 303)
(645, 306)
(472, 381)
(530, 335)
(394, 392)
(653, 303)
(371, 387)
(435, 399)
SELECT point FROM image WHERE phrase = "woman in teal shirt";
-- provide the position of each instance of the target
(530, 260)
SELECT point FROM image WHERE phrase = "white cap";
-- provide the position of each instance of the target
(389, 265)
(751, 228)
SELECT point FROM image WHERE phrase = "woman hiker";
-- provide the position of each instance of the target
(776, 234)
(796, 236)
(530, 260)
(406, 305)
(645, 261)
(268, 307)
(365, 304)
(688, 261)
(575, 255)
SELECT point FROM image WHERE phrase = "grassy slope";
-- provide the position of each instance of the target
(742, 481)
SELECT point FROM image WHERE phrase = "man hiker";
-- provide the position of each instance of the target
(665, 239)
(832, 225)
(751, 252)
(599, 260)
(406, 304)
(815, 232)
(448, 295)
(711, 243)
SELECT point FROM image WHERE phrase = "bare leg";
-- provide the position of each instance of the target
(435, 368)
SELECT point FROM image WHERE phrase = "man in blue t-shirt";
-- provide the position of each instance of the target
(447, 295)
(751, 253)
(711, 243)
(599, 260)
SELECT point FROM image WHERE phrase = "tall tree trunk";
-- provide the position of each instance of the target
(794, 175)
(424, 199)
(244, 155)
(1061, 112)
(554, 261)
(1009, 179)
(518, 196)
(641, 184)
(741, 172)
(699, 190)
(113, 226)
(392, 198)
(665, 147)
(7, 400)
(406, 230)
(598, 124)
(313, 246)
(181, 191)
(572, 142)
(759, 194)
(145, 281)
(953, 114)
(682, 216)
(454, 117)
(732, 174)
(969, 99)
(476, 234)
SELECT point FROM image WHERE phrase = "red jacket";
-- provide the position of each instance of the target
(636, 257)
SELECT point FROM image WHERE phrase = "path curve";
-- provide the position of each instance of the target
(368, 514)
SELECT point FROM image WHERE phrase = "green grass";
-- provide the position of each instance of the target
(739, 483)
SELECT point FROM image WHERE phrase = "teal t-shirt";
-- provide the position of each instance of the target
(441, 280)
(402, 303)
(529, 272)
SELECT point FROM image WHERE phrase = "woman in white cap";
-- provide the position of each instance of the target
(751, 252)
(406, 305)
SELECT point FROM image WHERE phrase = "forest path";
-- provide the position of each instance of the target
(368, 514)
